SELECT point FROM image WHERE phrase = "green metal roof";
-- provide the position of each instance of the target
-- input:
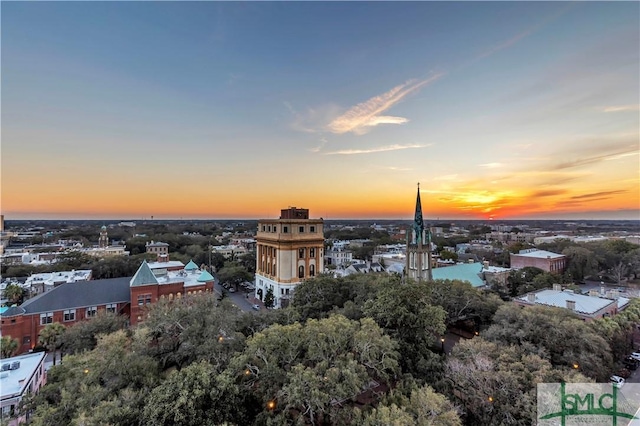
(463, 272)
(205, 276)
(190, 266)
(143, 276)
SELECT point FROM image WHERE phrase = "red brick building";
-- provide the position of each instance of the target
(148, 287)
(76, 301)
(67, 304)
(545, 260)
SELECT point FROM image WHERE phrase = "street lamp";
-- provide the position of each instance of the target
(576, 366)
(442, 344)
(271, 405)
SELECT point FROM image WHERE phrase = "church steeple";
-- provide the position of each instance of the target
(418, 223)
(418, 260)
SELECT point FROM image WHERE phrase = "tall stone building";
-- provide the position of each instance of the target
(418, 260)
(103, 241)
(289, 250)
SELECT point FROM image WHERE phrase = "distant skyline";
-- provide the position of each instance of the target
(205, 110)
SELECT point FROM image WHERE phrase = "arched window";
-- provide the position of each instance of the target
(170, 296)
(312, 270)
(162, 297)
(178, 295)
(300, 271)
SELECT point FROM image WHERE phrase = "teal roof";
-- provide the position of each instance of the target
(205, 276)
(143, 276)
(191, 266)
(463, 272)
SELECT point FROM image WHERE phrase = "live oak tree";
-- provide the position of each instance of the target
(83, 335)
(554, 334)
(405, 313)
(107, 385)
(419, 406)
(496, 383)
(305, 367)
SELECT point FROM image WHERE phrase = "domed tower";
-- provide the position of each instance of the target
(103, 241)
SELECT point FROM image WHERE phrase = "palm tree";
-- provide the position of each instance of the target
(50, 337)
(8, 346)
(13, 292)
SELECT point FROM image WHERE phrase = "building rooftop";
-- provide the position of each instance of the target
(78, 294)
(587, 305)
(165, 265)
(540, 254)
(14, 382)
(52, 278)
(464, 272)
(143, 276)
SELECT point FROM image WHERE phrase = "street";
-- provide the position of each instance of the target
(239, 298)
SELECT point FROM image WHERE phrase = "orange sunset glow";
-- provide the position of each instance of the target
(242, 116)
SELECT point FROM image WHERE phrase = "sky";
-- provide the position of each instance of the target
(500, 110)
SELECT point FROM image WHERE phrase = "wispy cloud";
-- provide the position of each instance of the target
(374, 150)
(621, 108)
(547, 193)
(323, 142)
(597, 195)
(446, 177)
(360, 118)
(631, 150)
(491, 165)
(397, 169)
(527, 32)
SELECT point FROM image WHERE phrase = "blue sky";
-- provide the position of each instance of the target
(208, 109)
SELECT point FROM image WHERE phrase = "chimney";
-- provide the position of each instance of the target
(615, 294)
(571, 304)
(557, 287)
(593, 292)
(602, 289)
(531, 298)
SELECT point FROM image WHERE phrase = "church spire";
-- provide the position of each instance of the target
(418, 223)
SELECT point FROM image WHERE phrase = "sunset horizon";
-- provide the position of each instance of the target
(208, 110)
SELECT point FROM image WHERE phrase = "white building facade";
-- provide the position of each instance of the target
(289, 250)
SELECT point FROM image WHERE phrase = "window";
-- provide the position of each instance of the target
(144, 299)
(285, 229)
(301, 253)
(301, 229)
(312, 270)
(46, 318)
(300, 271)
(112, 307)
(312, 252)
(269, 228)
(26, 340)
(170, 296)
(140, 299)
(70, 315)
(147, 299)
(92, 311)
(264, 228)
(312, 228)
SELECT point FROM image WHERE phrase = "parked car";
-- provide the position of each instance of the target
(232, 290)
(635, 355)
(631, 363)
(256, 307)
(617, 381)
